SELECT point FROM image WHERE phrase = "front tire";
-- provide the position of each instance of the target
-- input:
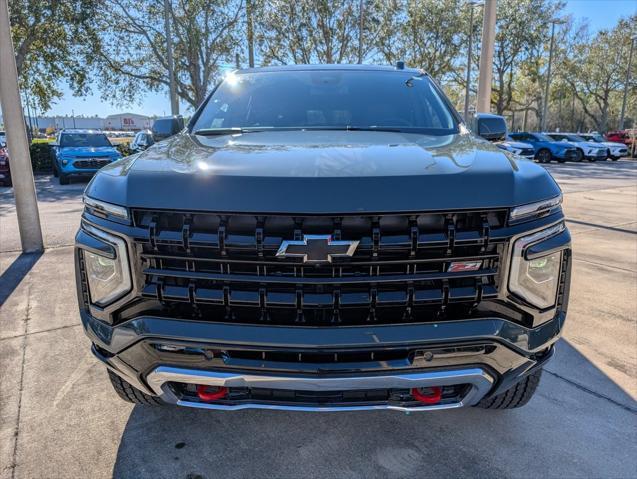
(517, 396)
(64, 179)
(131, 394)
(544, 156)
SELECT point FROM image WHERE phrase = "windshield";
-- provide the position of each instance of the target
(595, 138)
(328, 99)
(84, 139)
(541, 137)
(575, 138)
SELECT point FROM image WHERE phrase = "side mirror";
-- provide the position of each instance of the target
(166, 127)
(491, 128)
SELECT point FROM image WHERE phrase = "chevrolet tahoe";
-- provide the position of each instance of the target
(324, 238)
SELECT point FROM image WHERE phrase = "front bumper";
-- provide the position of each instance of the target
(570, 154)
(485, 356)
(478, 380)
(619, 153)
(596, 155)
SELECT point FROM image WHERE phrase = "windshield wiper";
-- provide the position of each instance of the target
(393, 129)
(220, 131)
(236, 130)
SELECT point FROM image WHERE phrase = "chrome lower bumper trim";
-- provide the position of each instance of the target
(479, 380)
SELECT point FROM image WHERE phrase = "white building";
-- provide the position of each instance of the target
(60, 122)
(119, 121)
(127, 122)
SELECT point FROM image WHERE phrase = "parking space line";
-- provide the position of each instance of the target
(590, 391)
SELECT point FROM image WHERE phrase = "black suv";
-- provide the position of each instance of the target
(324, 238)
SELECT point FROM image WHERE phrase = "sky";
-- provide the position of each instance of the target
(600, 14)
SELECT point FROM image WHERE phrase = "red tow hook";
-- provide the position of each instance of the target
(432, 397)
(208, 396)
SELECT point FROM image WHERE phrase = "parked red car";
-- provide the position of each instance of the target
(5, 174)
(622, 136)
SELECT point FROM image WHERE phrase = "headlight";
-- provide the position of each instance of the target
(108, 278)
(536, 280)
(105, 207)
(534, 210)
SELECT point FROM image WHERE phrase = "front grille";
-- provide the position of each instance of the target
(90, 164)
(224, 267)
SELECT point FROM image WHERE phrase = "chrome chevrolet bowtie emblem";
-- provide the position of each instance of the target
(316, 249)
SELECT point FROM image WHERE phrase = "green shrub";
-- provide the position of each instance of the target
(41, 156)
(124, 149)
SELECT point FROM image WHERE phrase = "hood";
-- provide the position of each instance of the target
(88, 151)
(322, 172)
(585, 144)
(612, 144)
(565, 144)
(516, 144)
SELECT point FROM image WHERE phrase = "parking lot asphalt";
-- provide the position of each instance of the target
(60, 418)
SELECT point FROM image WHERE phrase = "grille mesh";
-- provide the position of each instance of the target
(224, 267)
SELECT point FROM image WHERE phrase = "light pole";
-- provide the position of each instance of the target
(26, 203)
(250, 33)
(627, 83)
(361, 20)
(471, 3)
(174, 103)
(483, 104)
(545, 109)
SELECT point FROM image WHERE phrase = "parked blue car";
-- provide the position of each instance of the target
(546, 149)
(81, 153)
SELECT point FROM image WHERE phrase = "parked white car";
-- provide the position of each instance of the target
(615, 150)
(522, 149)
(588, 150)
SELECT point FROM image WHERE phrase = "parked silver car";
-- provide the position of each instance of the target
(615, 150)
(143, 139)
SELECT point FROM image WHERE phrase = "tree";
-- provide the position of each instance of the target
(427, 34)
(51, 40)
(521, 29)
(593, 69)
(133, 56)
(308, 31)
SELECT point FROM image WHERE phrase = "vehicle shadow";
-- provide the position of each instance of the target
(561, 418)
